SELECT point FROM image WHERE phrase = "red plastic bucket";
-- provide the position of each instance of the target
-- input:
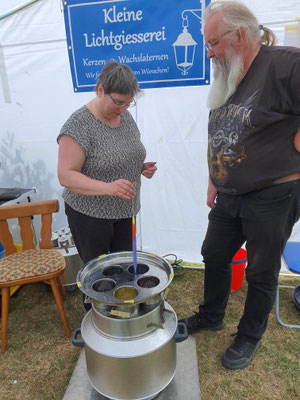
(238, 269)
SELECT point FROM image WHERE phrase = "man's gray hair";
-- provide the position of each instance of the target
(235, 16)
(117, 78)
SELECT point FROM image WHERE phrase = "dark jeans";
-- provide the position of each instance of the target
(264, 219)
(96, 236)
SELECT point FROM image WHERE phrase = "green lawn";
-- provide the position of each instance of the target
(40, 359)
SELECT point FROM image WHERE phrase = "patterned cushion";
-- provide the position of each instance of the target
(30, 263)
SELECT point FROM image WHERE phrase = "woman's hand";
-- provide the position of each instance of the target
(120, 188)
(149, 169)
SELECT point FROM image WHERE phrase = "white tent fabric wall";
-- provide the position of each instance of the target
(37, 97)
(174, 215)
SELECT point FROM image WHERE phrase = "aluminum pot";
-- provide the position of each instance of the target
(62, 241)
(54, 239)
(134, 368)
(73, 265)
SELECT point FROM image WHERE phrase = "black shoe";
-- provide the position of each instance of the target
(195, 324)
(240, 353)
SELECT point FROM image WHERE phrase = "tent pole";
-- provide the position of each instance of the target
(18, 8)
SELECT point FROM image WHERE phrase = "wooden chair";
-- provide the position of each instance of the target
(29, 265)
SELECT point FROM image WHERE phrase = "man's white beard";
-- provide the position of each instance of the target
(227, 76)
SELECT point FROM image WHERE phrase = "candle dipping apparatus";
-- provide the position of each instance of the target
(130, 333)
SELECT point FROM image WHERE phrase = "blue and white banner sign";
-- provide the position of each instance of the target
(161, 41)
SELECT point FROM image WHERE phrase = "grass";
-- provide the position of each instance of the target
(274, 371)
(40, 359)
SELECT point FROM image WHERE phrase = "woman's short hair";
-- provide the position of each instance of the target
(117, 78)
(236, 15)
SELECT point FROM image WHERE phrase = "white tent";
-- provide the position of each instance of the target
(37, 97)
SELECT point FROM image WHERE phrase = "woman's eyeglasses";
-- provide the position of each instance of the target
(121, 105)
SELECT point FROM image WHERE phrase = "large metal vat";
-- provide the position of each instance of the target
(130, 333)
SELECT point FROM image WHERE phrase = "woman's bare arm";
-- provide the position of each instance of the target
(71, 157)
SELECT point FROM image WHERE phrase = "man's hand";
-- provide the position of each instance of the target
(211, 195)
(297, 141)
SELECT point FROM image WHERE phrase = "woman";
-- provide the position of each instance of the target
(100, 162)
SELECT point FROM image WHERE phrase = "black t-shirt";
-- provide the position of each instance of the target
(250, 138)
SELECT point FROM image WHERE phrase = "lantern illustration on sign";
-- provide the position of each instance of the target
(185, 46)
(184, 50)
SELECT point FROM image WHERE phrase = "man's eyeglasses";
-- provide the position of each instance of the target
(210, 46)
(121, 105)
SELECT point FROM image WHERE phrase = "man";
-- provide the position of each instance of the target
(254, 168)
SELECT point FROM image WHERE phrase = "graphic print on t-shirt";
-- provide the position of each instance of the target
(226, 129)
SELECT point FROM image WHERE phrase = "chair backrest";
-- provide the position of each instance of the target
(24, 213)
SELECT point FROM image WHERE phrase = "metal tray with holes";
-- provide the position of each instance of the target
(112, 279)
